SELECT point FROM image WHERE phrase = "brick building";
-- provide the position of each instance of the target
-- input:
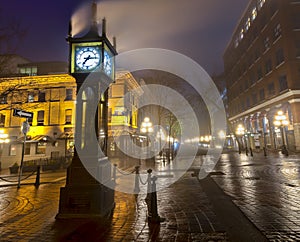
(262, 71)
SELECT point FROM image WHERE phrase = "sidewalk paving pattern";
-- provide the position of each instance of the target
(265, 189)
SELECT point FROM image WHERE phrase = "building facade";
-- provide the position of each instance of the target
(46, 90)
(262, 72)
(51, 98)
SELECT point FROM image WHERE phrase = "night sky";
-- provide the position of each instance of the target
(199, 29)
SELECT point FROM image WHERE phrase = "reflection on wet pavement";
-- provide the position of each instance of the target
(267, 190)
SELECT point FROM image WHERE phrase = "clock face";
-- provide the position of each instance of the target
(87, 58)
(107, 63)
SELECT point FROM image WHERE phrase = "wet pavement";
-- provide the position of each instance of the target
(267, 190)
(264, 189)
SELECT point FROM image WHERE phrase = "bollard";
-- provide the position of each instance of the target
(153, 214)
(115, 173)
(265, 151)
(251, 152)
(149, 171)
(37, 178)
(137, 187)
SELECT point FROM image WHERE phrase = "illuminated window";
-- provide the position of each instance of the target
(30, 97)
(248, 24)
(242, 34)
(40, 118)
(277, 31)
(261, 3)
(13, 150)
(41, 148)
(254, 14)
(3, 99)
(267, 43)
(236, 42)
(28, 71)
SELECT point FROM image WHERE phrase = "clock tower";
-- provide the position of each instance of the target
(87, 193)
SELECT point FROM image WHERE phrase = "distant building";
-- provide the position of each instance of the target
(123, 113)
(262, 74)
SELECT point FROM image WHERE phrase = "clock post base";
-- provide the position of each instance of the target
(84, 196)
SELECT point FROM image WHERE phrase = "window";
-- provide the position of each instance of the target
(268, 66)
(262, 94)
(13, 150)
(69, 94)
(297, 45)
(30, 97)
(271, 88)
(247, 102)
(267, 43)
(28, 71)
(29, 121)
(246, 84)
(41, 147)
(283, 83)
(254, 14)
(279, 57)
(68, 114)
(261, 3)
(248, 24)
(257, 54)
(259, 73)
(2, 120)
(254, 98)
(27, 149)
(3, 99)
(42, 97)
(277, 31)
(40, 118)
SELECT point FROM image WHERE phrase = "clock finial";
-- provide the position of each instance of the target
(115, 42)
(94, 12)
(104, 27)
(70, 29)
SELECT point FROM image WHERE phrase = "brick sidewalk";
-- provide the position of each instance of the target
(264, 188)
(28, 214)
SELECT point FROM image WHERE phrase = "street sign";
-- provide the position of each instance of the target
(22, 113)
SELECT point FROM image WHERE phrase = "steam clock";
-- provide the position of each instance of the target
(88, 191)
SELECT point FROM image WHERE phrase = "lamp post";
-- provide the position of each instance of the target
(3, 140)
(147, 128)
(281, 121)
(240, 131)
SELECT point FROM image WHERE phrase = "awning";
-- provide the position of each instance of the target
(66, 135)
(38, 138)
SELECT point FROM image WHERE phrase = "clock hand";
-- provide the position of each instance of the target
(86, 59)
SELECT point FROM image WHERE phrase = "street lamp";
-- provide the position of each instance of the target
(281, 121)
(3, 140)
(147, 128)
(240, 131)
